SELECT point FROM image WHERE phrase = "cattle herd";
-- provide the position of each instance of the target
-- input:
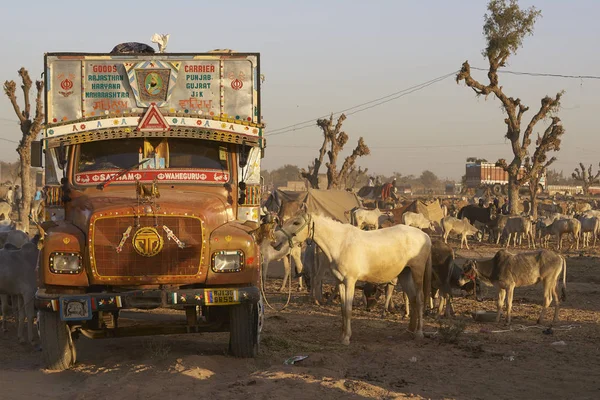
(377, 250)
(374, 252)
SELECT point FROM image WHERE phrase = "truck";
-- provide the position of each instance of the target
(152, 194)
(482, 174)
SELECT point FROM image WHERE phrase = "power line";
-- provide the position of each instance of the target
(8, 140)
(542, 74)
(393, 96)
(378, 101)
(403, 147)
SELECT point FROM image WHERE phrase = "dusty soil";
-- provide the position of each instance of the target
(488, 360)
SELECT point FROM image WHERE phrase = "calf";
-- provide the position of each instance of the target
(18, 278)
(417, 220)
(445, 277)
(517, 226)
(589, 226)
(496, 227)
(461, 227)
(507, 271)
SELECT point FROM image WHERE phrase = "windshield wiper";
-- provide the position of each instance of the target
(120, 174)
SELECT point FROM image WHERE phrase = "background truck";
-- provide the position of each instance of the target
(152, 181)
(481, 174)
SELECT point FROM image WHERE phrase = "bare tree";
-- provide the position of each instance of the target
(335, 139)
(505, 27)
(355, 176)
(30, 128)
(587, 178)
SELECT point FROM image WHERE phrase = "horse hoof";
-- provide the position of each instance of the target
(419, 335)
(346, 341)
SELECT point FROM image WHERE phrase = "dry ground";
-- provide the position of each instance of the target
(382, 362)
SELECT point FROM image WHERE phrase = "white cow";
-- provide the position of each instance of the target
(461, 227)
(561, 226)
(417, 220)
(372, 219)
(517, 226)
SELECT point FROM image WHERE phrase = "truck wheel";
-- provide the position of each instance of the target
(497, 189)
(57, 344)
(244, 330)
(505, 190)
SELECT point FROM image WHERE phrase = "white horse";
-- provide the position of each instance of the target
(373, 256)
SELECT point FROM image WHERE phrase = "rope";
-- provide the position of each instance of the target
(262, 291)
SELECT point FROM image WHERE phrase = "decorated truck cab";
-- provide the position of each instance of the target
(152, 194)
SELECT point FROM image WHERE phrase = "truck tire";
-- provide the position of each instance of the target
(497, 189)
(244, 330)
(505, 190)
(57, 344)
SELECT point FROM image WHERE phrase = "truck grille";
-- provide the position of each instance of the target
(107, 233)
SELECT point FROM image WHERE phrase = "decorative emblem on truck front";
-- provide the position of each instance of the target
(171, 236)
(147, 242)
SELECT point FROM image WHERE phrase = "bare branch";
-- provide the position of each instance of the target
(26, 86)
(10, 88)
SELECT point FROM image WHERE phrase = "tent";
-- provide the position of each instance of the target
(432, 211)
(334, 204)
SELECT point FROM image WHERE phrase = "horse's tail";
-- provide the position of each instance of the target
(427, 280)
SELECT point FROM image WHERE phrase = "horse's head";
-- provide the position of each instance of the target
(297, 228)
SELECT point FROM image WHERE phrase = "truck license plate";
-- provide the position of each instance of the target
(75, 308)
(221, 296)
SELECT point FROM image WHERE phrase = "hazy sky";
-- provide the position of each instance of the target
(324, 56)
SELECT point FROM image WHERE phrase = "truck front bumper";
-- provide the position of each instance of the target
(82, 306)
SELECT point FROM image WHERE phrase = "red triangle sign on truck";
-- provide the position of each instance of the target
(153, 121)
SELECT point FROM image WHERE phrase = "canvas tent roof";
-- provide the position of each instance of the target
(331, 203)
(432, 211)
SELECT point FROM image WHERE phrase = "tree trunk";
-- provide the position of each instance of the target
(26, 192)
(586, 187)
(533, 192)
(513, 195)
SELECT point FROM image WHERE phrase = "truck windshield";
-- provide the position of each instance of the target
(160, 153)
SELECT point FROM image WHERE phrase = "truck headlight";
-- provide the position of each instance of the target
(65, 263)
(227, 261)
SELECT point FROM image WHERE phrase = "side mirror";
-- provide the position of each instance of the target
(36, 154)
(244, 153)
(61, 155)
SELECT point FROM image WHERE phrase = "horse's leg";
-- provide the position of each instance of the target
(347, 301)
(342, 290)
(297, 256)
(286, 271)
